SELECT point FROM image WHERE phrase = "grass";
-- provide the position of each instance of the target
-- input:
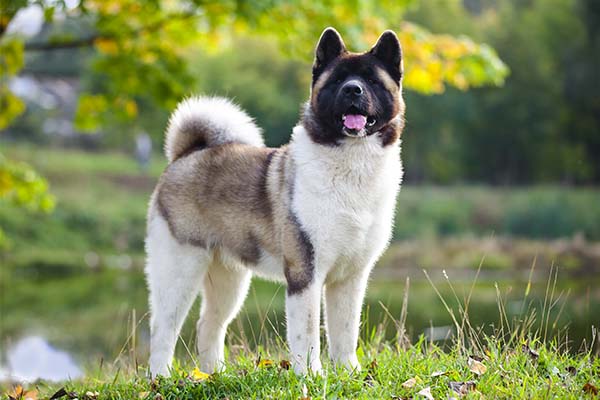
(75, 276)
(387, 374)
(512, 362)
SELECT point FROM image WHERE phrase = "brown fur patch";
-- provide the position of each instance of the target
(299, 257)
(236, 198)
(219, 197)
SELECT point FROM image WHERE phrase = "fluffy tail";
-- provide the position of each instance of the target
(200, 122)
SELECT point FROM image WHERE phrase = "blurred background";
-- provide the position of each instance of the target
(501, 153)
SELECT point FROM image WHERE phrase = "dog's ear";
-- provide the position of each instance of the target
(388, 51)
(329, 48)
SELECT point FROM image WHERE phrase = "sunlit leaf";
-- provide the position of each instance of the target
(18, 393)
(263, 363)
(198, 375)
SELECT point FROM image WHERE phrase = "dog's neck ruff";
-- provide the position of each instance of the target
(361, 158)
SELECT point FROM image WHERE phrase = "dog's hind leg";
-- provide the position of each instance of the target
(174, 272)
(224, 289)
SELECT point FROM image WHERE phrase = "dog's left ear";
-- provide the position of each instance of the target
(388, 51)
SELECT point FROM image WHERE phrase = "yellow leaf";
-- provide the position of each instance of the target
(106, 46)
(265, 363)
(21, 394)
(131, 108)
(198, 375)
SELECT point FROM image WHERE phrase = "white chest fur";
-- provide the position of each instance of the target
(344, 197)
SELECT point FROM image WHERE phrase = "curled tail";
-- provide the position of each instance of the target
(200, 122)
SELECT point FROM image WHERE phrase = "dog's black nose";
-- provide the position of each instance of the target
(353, 88)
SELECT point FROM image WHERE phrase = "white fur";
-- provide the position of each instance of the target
(344, 198)
(175, 274)
(218, 116)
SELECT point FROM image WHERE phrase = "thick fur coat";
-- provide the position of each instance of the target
(315, 214)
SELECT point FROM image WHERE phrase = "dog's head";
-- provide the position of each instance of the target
(355, 95)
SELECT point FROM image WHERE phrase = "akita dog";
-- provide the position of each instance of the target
(315, 214)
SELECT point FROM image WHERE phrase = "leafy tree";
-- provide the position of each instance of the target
(142, 47)
(543, 125)
(142, 50)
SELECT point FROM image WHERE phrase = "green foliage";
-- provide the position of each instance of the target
(539, 127)
(274, 102)
(142, 49)
(23, 187)
(11, 62)
(541, 212)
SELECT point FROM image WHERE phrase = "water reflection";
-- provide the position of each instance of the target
(33, 358)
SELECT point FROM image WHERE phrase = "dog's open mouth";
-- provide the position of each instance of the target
(355, 122)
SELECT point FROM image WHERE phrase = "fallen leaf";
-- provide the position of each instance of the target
(590, 389)
(264, 362)
(476, 366)
(18, 393)
(435, 374)
(284, 364)
(409, 383)
(426, 393)
(143, 395)
(462, 388)
(89, 395)
(198, 375)
(373, 365)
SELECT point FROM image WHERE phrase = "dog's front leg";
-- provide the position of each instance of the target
(303, 319)
(343, 301)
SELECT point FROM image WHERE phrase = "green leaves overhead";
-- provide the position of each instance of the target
(144, 48)
(21, 185)
(11, 62)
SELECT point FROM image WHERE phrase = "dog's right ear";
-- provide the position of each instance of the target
(330, 47)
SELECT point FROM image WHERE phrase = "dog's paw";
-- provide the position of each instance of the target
(303, 367)
(349, 362)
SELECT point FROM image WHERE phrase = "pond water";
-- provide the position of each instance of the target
(33, 358)
(95, 316)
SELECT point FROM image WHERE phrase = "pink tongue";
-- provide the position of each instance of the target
(355, 121)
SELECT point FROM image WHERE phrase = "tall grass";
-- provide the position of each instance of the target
(517, 360)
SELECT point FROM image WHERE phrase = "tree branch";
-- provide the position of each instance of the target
(71, 44)
(89, 41)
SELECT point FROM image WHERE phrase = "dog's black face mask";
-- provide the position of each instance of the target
(354, 95)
